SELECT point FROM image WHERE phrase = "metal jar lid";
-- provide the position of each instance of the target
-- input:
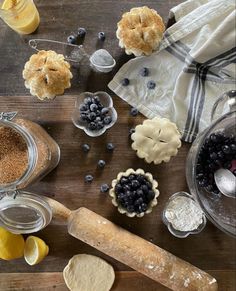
(24, 212)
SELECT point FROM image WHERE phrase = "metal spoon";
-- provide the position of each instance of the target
(226, 182)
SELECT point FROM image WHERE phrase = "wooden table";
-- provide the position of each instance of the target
(211, 250)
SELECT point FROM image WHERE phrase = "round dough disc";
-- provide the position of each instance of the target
(88, 273)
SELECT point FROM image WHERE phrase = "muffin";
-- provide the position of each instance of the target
(47, 74)
(156, 140)
(134, 192)
(140, 31)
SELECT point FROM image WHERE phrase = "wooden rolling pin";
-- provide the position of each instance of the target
(132, 250)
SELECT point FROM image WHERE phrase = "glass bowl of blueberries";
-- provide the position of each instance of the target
(214, 149)
(94, 113)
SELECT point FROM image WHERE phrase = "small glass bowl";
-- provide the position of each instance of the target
(178, 233)
(106, 101)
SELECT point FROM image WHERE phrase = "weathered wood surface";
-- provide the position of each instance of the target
(211, 250)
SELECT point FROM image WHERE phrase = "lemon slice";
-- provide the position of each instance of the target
(35, 250)
(11, 245)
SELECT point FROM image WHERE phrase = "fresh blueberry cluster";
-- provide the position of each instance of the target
(218, 151)
(94, 113)
(134, 193)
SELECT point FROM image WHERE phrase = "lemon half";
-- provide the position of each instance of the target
(11, 245)
(35, 250)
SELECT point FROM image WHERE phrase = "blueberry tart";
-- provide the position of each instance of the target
(134, 192)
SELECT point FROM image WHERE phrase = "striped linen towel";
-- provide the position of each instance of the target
(195, 64)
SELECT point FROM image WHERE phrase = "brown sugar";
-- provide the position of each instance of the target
(13, 155)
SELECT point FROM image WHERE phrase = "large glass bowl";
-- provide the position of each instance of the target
(219, 209)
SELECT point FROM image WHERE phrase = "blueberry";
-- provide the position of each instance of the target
(130, 208)
(110, 146)
(100, 125)
(124, 181)
(96, 99)
(144, 207)
(131, 177)
(104, 188)
(71, 39)
(144, 188)
(88, 178)
(83, 116)
(101, 36)
(107, 120)
(98, 118)
(81, 32)
(85, 147)
(134, 111)
(150, 195)
(226, 149)
(101, 163)
(233, 147)
(135, 184)
(139, 193)
(149, 185)
(144, 72)
(118, 188)
(125, 82)
(91, 116)
(141, 179)
(139, 201)
(151, 84)
(83, 107)
(92, 126)
(131, 131)
(213, 156)
(88, 100)
(220, 155)
(104, 110)
(126, 187)
(93, 107)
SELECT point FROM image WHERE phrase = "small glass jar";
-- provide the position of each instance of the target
(21, 15)
(20, 211)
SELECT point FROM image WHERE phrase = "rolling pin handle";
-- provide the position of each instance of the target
(59, 211)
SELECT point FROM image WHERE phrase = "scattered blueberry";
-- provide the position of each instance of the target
(134, 111)
(104, 188)
(71, 39)
(88, 178)
(144, 72)
(151, 85)
(125, 82)
(110, 146)
(81, 32)
(101, 35)
(101, 163)
(85, 147)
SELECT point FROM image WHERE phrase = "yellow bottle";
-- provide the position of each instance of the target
(21, 15)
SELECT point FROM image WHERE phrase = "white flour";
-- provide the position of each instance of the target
(184, 214)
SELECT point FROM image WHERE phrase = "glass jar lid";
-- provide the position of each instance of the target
(24, 212)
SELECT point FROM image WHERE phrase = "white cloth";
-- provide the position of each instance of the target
(195, 64)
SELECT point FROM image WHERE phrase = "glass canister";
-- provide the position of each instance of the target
(27, 154)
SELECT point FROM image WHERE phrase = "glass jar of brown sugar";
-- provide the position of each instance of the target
(27, 154)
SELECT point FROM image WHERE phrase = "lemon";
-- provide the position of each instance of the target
(35, 250)
(11, 245)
